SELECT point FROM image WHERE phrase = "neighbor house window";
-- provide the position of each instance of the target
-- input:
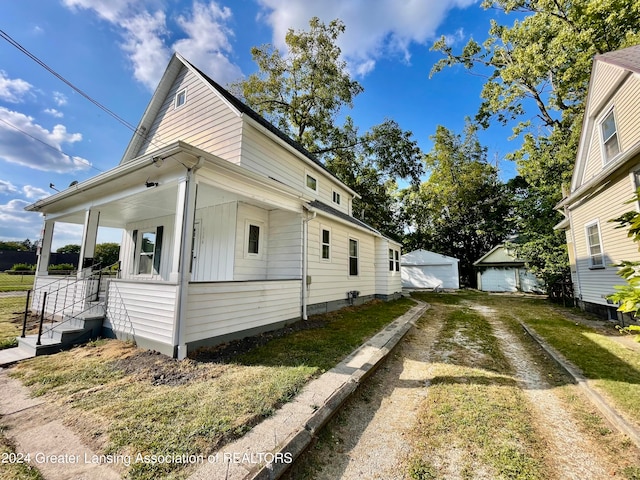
(326, 244)
(181, 98)
(336, 198)
(254, 240)
(609, 137)
(353, 257)
(312, 183)
(594, 246)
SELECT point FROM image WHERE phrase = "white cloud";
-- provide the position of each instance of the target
(32, 192)
(54, 113)
(13, 90)
(7, 187)
(374, 28)
(205, 36)
(16, 224)
(60, 98)
(26, 143)
(207, 42)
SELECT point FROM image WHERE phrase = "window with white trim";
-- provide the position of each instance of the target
(148, 247)
(181, 98)
(312, 183)
(394, 260)
(253, 239)
(609, 132)
(594, 245)
(336, 197)
(325, 244)
(353, 257)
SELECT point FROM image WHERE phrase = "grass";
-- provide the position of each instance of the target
(15, 466)
(9, 330)
(15, 283)
(472, 395)
(129, 401)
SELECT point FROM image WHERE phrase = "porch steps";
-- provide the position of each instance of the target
(62, 335)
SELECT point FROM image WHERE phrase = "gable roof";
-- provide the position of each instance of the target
(627, 60)
(498, 256)
(240, 108)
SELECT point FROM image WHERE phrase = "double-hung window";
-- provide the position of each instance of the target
(253, 242)
(394, 260)
(594, 245)
(325, 244)
(609, 131)
(353, 257)
(148, 248)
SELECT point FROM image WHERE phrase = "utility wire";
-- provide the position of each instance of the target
(82, 160)
(10, 40)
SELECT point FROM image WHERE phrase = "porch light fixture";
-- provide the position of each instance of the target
(149, 184)
(157, 161)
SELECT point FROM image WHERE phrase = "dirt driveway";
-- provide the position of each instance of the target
(468, 395)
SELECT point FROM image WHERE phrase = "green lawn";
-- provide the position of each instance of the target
(10, 308)
(12, 283)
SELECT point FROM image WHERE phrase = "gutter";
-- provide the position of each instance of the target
(305, 261)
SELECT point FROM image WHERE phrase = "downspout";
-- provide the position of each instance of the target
(305, 261)
(185, 252)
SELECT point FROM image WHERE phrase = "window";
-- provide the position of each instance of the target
(394, 260)
(594, 246)
(353, 257)
(254, 240)
(336, 198)
(312, 183)
(609, 137)
(148, 245)
(326, 244)
(181, 98)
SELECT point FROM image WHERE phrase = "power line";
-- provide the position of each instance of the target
(82, 160)
(10, 40)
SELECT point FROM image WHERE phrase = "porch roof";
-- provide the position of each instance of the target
(124, 190)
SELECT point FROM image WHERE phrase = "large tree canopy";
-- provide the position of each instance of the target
(538, 71)
(303, 91)
(462, 209)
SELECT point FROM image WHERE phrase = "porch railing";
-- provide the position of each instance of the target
(61, 297)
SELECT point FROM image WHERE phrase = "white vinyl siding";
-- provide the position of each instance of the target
(205, 121)
(264, 156)
(284, 254)
(215, 309)
(387, 282)
(249, 266)
(216, 243)
(142, 310)
(129, 251)
(594, 284)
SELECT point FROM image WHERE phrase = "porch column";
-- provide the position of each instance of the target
(45, 248)
(181, 260)
(88, 245)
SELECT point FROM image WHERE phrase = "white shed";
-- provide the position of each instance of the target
(424, 269)
(500, 271)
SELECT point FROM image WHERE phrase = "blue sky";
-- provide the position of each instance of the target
(116, 51)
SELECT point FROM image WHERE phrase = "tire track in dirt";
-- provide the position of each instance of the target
(368, 436)
(569, 454)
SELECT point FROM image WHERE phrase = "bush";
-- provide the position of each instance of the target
(23, 267)
(61, 266)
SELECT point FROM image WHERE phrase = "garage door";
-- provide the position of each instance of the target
(499, 280)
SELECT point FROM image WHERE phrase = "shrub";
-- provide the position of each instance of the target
(22, 267)
(61, 266)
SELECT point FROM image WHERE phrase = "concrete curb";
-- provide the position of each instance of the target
(600, 403)
(299, 421)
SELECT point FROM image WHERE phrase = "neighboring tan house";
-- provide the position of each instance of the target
(605, 177)
(499, 270)
(230, 227)
(424, 269)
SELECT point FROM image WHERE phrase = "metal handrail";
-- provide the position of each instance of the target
(69, 286)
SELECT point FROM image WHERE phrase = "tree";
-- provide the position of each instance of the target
(71, 248)
(462, 210)
(304, 91)
(538, 72)
(107, 254)
(24, 246)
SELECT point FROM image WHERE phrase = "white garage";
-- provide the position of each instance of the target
(425, 269)
(500, 271)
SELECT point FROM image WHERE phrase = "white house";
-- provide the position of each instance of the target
(424, 269)
(230, 227)
(499, 270)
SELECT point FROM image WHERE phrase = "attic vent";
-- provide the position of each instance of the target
(181, 98)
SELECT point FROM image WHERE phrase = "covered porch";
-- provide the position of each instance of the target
(209, 251)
